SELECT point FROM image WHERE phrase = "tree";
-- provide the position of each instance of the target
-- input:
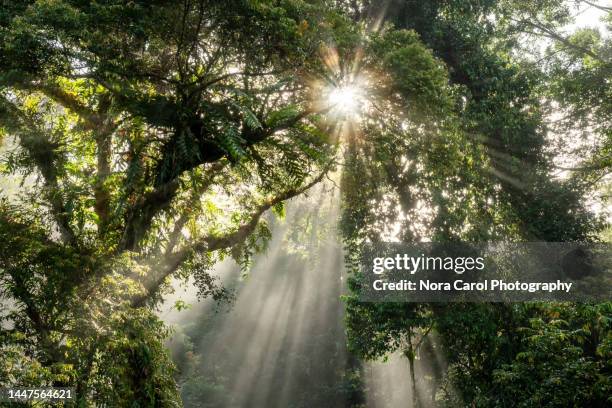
(575, 66)
(153, 136)
(157, 134)
(485, 174)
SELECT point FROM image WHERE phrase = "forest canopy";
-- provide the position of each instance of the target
(145, 141)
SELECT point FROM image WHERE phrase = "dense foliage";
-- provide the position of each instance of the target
(151, 137)
(487, 174)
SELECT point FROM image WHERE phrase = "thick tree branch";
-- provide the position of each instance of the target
(220, 78)
(213, 243)
(548, 32)
(69, 101)
(209, 150)
(598, 166)
(140, 216)
(56, 93)
(597, 6)
(194, 202)
(103, 131)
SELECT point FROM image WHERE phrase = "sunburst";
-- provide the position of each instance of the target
(345, 100)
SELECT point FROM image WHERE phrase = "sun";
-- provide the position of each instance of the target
(344, 100)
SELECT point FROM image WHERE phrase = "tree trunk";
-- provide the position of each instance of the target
(410, 353)
(412, 382)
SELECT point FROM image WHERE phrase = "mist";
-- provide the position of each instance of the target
(281, 342)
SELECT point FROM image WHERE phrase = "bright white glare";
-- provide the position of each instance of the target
(345, 100)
